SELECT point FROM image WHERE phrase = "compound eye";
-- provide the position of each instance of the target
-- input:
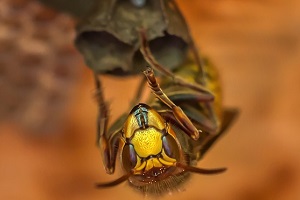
(170, 146)
(129, 158)
(138, 3)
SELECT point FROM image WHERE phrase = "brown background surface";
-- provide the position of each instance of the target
(256, 47)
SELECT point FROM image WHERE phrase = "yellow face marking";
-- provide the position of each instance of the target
(141, 167)
(153, 162)
(149, 165)
(147, 142)
(156, 162)
(155, 119)
(138, 162)
(130, 126)
(166, 163)
(167, 158)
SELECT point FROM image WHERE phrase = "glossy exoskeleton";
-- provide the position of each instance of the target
(159, 143)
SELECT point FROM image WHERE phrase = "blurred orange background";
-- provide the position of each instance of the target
(254, 44)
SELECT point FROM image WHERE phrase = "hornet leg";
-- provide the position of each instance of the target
(145, 50)
(180, 116)
(108, 144)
